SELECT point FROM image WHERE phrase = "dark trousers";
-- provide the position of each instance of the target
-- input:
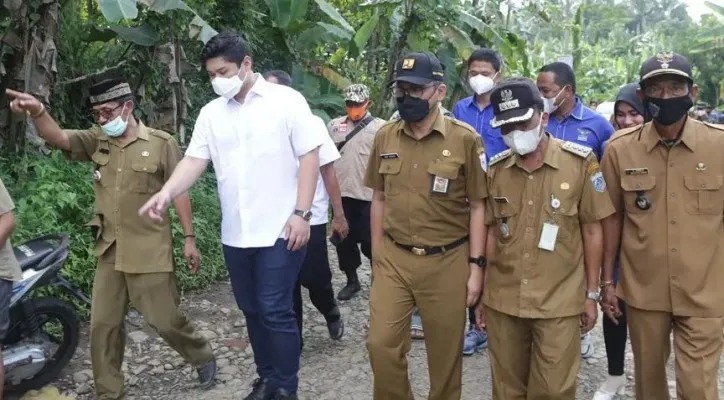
(316, 276)
(263, 281)
(614, 336)
(471, 316)
(357, 213)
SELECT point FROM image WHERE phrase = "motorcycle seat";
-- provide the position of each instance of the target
(31, 253)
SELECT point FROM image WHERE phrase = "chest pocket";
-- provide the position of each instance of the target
(566, 216)
(390, 170)
(634, 187)
(704, 195)
(506, 213)
(144, 179)
(100, 171)
(443, 177)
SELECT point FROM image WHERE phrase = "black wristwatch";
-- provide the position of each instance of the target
(306, 215)
(479, 261)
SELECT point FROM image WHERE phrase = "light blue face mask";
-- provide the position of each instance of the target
(115, 127)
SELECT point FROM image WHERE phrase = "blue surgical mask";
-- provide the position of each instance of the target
(115, 127)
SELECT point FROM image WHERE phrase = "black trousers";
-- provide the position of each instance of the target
(614, 336)
(357, 213)
(316, 276)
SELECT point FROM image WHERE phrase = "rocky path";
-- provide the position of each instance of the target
(330, 370)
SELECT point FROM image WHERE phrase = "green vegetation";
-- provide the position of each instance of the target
(55, 49)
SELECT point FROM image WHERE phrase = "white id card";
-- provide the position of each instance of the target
(548, 237)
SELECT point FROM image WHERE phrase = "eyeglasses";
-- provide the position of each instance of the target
(661, 89)
(413, 91)
(106, 113)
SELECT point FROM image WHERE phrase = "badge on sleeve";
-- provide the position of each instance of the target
(599, 184)
(483, 162)
(440, 184)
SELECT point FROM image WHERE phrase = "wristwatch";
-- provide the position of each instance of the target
(479, 261)
(306, 215)
(595, 296)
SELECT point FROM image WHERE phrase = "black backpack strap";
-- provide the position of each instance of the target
(361, 125)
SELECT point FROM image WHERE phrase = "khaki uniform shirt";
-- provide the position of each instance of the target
(427, 182)
(9, 267)
(126, 176)
(522, 279)
(672, 254)
(355, 154)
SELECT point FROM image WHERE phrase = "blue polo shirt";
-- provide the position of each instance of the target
(467, 110)
(584, 126)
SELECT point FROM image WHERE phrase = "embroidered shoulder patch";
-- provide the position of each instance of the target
(599, 184)
(500, 157)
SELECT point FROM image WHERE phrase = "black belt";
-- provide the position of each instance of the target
(429, 250)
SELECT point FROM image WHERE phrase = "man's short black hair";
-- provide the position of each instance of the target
(228, 44)
(486, 55)
(563, 74)
(282, 77)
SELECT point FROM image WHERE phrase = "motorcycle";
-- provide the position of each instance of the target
(44, 331)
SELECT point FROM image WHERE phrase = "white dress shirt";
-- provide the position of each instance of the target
(328, 153)
(254, 148)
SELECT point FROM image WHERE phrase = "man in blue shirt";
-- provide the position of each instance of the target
(571, 121)
(484, 73)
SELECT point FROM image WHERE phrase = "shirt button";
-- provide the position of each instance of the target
(673, 222)
(414, 165)
(526, 255)
(529, 229)
(674, 250)
(525, 281)
(122, 150)
(530, 176)
(119, 170)
(530, 202)
(638, 185)
(673, 195)
(145, 169)
(413, 190)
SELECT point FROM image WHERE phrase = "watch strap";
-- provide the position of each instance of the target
(481, 261)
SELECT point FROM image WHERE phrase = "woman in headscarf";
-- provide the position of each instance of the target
(628, 111)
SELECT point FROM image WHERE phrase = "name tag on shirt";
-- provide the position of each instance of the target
(389, 156)
(636, 171)
(548, 237)
(502, 200)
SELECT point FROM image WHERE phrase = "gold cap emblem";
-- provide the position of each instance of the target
(408, 63)
(665, 58)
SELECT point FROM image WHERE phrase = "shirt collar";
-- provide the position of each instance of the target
(438, 126)
(141, 133)
(577, 112)
(551, 157)
(261, 88)
(472, 103)
(688, 136)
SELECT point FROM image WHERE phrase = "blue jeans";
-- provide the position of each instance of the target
(263, 281)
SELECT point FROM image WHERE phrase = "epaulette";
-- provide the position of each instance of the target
(625, 132)
(577, 149)
(461, 123)
(160, 134)
(500, 157)
(714, 126)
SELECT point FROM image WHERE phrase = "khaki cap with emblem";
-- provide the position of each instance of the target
(357, 93)
(514, 100)
(666, 63)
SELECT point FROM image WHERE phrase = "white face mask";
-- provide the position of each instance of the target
(227, 87)
(550, 104)
(482, 84)
(523, 142)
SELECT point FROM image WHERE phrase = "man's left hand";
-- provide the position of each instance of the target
(193, 258)
(339, 225)
(296, 232)
(589, 316)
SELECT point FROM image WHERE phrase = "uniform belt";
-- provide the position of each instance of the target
(429, 250)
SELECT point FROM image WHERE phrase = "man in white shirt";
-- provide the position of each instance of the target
(266, 161)
(316, 275)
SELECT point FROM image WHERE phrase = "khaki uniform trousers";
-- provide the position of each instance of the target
(156, 297)
(437, 285)
(533, 359)
(697, 348)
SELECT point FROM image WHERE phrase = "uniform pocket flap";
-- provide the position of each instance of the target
(445, 170)
(100, 158)
(504, 210)
(704, 182)
(391, 166)
(638, 183)
(144, 167)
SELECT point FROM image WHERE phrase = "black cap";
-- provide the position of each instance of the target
(109, 90)
(514, 100)
(668, 63)
(419, 69)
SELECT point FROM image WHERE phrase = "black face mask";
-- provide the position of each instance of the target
(668, 111)
(412, 109)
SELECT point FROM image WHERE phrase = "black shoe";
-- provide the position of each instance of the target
(281, 394)
(258, 390)
(349, 291)
(336, 329)
(207, 373)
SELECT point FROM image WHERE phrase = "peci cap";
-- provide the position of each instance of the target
(514, 100)
(668, 63)
(357, 93)
(419, 69)
(108, 90)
